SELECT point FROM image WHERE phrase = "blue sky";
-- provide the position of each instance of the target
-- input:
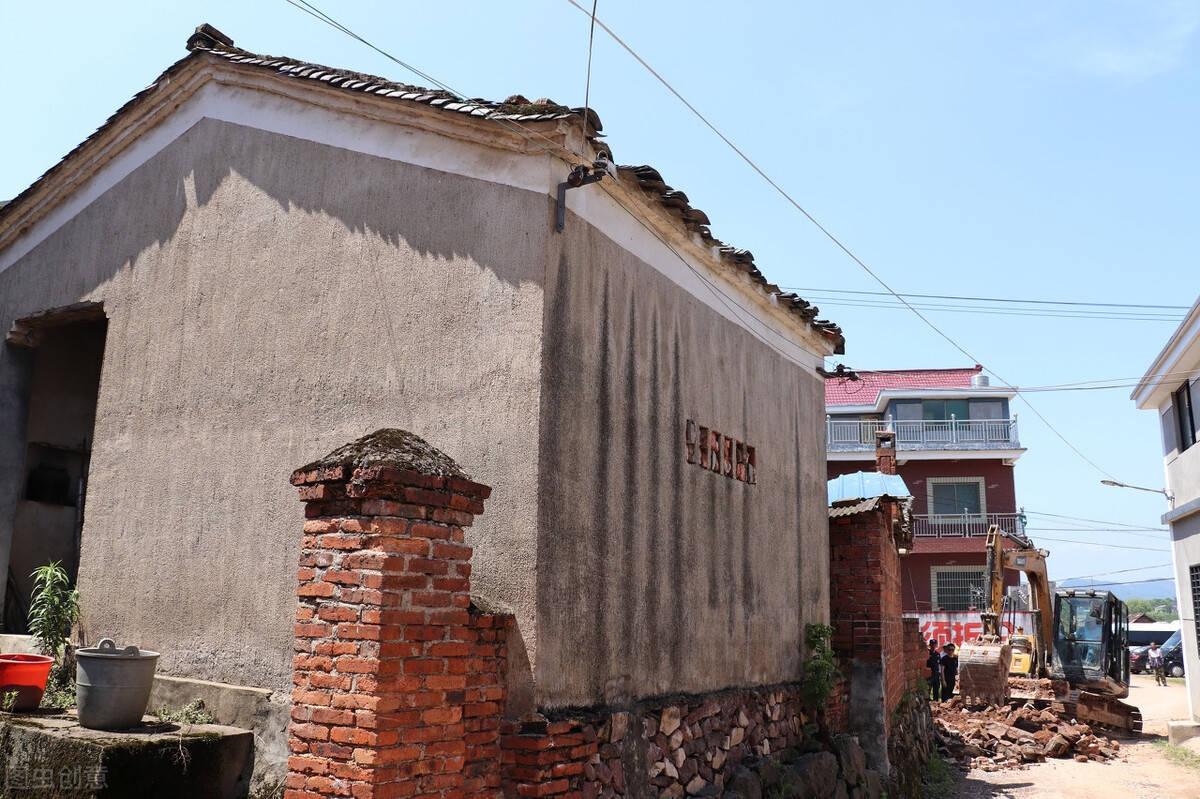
(1028, 150)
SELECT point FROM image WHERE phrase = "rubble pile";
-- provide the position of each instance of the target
(992, 738)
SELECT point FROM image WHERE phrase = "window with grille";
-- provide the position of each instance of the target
(957, 587)
(1194, 573)
(956, 496)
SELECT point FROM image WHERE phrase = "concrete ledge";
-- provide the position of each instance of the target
(250, 708)
(17, 645)
(235, 705)
(1180, 731)
(51, 755)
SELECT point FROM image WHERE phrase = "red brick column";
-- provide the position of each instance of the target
(399, 683)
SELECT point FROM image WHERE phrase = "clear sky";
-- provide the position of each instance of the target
(1024, 150)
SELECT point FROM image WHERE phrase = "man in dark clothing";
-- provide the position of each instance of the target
(934, 664)
(949, 670)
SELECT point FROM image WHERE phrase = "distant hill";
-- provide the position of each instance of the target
(1164, 589)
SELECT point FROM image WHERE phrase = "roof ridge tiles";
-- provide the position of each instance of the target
(207, 40)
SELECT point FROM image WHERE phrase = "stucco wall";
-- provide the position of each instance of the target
(1183, 474)
(270, 299)
(655, 575)
(1185, 537)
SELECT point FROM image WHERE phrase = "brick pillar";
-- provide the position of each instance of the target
(399, 682)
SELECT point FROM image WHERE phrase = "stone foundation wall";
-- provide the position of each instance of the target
(654, 749)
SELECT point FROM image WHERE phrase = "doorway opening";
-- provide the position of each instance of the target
(64, 385)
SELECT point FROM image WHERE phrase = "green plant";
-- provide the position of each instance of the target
(820, 670)
(193, 712)
(1179, 755)
(938, 781)
(54, 609)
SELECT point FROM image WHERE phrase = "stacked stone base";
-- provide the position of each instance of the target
(689, 746)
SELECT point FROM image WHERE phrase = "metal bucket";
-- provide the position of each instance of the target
(113, 685)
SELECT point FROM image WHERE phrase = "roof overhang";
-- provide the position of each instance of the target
(957, 392)
(53, 196)
(1009, 456)
(1181, 354)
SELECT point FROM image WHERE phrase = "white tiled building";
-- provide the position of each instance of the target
(1171, 386)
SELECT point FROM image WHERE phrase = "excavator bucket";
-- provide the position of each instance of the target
(983, 673)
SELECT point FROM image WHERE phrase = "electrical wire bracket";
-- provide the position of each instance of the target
(580, 176)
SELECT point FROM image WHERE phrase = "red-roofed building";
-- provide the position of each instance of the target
(956, 444)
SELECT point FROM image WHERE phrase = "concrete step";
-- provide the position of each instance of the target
(49, 754)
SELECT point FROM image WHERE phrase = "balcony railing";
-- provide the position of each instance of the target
(963, 525)
(851, 435)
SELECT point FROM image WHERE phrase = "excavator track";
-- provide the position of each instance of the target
(1108, 711)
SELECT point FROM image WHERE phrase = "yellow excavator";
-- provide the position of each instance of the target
(1081, 643)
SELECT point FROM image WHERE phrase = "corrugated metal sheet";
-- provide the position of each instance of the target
(865, 485)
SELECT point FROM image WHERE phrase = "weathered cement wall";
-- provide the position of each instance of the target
(656, 575)
(269, 298)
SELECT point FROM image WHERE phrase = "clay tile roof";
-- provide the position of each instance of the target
(209, 41)
(866, 390)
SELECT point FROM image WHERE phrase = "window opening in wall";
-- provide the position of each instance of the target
(61, 385)
(1194, 574)
(1187, 416)
(956, 587)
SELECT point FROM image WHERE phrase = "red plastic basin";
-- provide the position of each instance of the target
(27, 675)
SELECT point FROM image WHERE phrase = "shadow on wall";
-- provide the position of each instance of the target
(401, 204)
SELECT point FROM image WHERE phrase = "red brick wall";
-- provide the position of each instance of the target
(399, 684)
(1000, 492)
(915, 653)
(917, 586)
(864, 593)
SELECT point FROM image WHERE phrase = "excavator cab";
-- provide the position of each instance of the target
(1091, 641)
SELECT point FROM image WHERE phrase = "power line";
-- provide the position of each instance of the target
(994, 299)
(829, 234)
(587, 86)
(1102, 317)
(1093, 521)
(732, 305)
(1126, 582)
(1118, 571)
(1099, 544)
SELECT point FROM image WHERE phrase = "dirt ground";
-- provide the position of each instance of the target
(1142, 771)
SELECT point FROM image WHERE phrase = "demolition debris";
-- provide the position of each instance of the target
(992, 738)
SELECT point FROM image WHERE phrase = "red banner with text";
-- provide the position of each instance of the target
(957, 628)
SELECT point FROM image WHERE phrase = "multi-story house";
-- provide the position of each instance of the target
(1171, 387)
(956, 443)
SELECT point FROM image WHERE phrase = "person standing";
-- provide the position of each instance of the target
(934, 664)
(949, 670)
(1156, 661)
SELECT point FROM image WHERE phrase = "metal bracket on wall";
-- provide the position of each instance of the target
(580, 176)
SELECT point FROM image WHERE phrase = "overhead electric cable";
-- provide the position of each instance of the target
(1093, 584)
(587, 85)
(516, 128)
(994, 299)
(1099, 544)
(829, 234)
(1118, 571)
(1093, 521)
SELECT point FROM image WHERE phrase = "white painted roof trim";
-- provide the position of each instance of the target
(1151, 391)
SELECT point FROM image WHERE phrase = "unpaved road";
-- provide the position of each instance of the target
(1141, 772)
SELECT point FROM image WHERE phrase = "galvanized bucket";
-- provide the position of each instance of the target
(113, 685)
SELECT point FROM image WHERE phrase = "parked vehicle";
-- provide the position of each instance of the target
(1148, 633)
(1172, 650)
